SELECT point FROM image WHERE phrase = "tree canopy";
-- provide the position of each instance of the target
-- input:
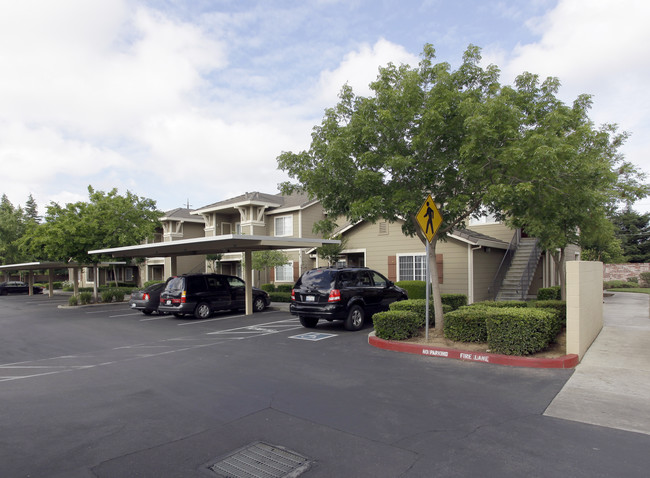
(475, 145)
(106, 220)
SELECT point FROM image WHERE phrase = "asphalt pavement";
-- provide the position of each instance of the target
(104, 392)
(611, 385)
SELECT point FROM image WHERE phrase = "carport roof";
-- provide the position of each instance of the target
(213, 245)
(31, 266)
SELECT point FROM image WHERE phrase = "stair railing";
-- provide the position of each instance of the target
(531, 267)
(494, 289)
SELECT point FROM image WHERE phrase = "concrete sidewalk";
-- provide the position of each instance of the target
(611, 385)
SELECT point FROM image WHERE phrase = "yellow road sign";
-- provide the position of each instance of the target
(429, 218)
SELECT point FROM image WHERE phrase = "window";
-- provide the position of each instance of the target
(284, 273)
(411, 267)
(484, 219)
(284, 226)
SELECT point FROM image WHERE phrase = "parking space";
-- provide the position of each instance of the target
(101, 391)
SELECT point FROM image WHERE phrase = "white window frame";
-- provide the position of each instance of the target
(287, 226)
(423, 259)
(281, 272)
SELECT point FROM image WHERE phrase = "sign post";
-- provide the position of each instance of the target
(429, 219)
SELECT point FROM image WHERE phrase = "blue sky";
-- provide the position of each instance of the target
(180, 100)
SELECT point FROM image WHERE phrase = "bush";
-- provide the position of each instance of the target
(634, 279)
(549, 293)
(559, 307)
(644, 279)
(501, 304)
(85, 298)
(107, 296)
(151, 282)
(284, 287)
(467, 324)
(396, 324)
(619, 284)
(419, 307)
(118, 295)
(73, 300)
(416, 289)
(280, 296)
(519, 331)
(67, 286)
(268, 287)
(456, 301)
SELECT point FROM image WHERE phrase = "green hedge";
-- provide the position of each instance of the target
(151, 282)
(416, 289)
(517, 331)
(396, 324)
(418, 306)
(549, 293)
(73, 300)
(558, 306)
(501, 304)
(467, 324)
(284, 287)
(85, 297)
(619, 284)
(280, 296)
(268, 287)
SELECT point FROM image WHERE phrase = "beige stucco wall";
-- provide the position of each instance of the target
(486, 263)
(584, 282)
(498, 231)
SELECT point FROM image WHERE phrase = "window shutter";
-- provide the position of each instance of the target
(392, 268)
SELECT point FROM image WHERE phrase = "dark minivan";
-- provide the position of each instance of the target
(348, 294)
(202, 294)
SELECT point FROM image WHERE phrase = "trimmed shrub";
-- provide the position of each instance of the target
(644, 279)
(416, 289)
(280, 296)
(517, 331)
(620, 284)
(85, 298)
(268, 287)
(396, 324)
(284, 287)
(467, 324)
(73, 300)
(455, 301)
(501, 304)
(107, 296)
(559, 307)
(419, 306)
(151, 282)
(634, 279)
(549, 293)
(118, 295)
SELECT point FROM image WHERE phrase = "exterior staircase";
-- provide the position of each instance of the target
(521, 271)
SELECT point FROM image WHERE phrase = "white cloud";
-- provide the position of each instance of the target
(359, 68)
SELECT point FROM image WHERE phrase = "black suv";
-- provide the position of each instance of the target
(202, 294)
(348, 294)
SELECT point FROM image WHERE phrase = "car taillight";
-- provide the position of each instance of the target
(293, 294)
(145, 296)
(335, 296)
(183, 297)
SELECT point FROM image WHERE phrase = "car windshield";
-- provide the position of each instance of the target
(175, 284)
(318, 279)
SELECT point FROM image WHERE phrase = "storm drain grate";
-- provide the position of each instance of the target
(261, 460)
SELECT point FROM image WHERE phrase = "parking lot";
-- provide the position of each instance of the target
(103, 391)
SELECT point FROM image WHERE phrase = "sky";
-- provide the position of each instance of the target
(189, 102)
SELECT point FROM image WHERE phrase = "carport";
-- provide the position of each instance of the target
(217, 245)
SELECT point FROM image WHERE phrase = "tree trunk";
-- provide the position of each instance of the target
(559, 259)
(435, 285)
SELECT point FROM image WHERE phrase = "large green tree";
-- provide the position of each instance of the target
(571, 173)
(633, 230)
(105, 220)
(425, 130)
(12, 228)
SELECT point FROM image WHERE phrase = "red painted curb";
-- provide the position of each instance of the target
(567, 361)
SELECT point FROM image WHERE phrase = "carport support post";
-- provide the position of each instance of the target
(50, 277)
(30, 283)
(174, 265)
(248, 278)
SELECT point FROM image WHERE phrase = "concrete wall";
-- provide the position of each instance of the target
(584, 305)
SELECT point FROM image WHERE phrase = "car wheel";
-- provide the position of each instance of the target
(202, 311)
(147, 311)
(309, 322)
(354, 320)
(258, 304)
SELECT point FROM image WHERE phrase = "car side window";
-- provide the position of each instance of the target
(195, 284)
(216, 283)
(235, 282)
(363, 279)
(347, 279)
(379, 280)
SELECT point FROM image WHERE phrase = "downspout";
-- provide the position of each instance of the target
(470, 272)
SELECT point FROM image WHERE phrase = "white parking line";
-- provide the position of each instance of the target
(194, 322)
(123, 315)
